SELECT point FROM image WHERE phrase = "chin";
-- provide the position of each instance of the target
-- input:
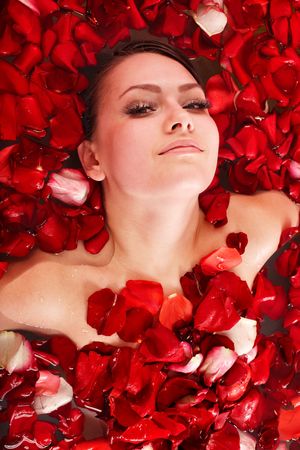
(184, 188)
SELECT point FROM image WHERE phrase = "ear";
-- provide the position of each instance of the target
(90, 161)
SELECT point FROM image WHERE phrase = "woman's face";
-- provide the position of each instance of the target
(152, 102)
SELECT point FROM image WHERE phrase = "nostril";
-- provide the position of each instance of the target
(175, 125)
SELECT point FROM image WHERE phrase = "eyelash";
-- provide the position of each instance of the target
(140, 108)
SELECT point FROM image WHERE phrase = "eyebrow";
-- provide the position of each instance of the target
(156, 89)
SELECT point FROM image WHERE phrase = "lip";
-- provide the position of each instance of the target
(181, 146)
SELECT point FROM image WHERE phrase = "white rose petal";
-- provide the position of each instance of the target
(211, 20)
(242, 334)
(69, 186)
(45, 404)
(190, 367)
(15, 352)
(247, 442)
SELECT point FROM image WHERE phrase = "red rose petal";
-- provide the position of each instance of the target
(3, 268)
(143, 294)
(160, 344)
(261, 365)
(66, 129)
(138, 320)
(95, 244)
(90, 226)
(235, 382)
(26, 21)
(216, 312)
(8, 119)
(220, 92)
(227, 437)
(224, 258)
(106, 312)
(175, 308)
(94, 444)
(31, 115)
(166, 422)
(91, 378)
(144, 430)
(71, 425)
(30, 56)
(247, 414)
(238, 241)
(84, 32)
(172, 23)
(288, 425)
(21, 420)
(12, 80)
(181, 391)
(9, 41)
(27, 180)
(17, 244)
(52, 234)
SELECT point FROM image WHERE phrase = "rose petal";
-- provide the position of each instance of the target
(30, 56)
(160, 344)
(217, 362)
(94, 444)
(12, 80)
(52, 234)
(8, 123)
(15, 352)
(224, 258)
(288, 425)
(175, 308)
(247, 413)
(143, 294)
(27, 22)
(47, 383)
(44, 404)
(70, 186)
(21, 420)
(242, 334)
(227, 437)
(235, 382)
(190, 367)
(211, 20)
(247, 441)
(216, 312)
(261, 365)
(66, 129)
(238, 241)
(106, 312)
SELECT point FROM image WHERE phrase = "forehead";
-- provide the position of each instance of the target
(147, 68)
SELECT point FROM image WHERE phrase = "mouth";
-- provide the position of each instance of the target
(181, 147)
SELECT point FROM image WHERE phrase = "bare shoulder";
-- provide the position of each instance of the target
(36, 293)
(262, 217)
(265, 209)
(25, 290)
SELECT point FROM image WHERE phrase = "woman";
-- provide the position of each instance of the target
(154, 147)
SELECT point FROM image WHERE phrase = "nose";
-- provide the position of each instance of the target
(179, 120)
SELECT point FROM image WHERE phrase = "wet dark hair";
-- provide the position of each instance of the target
(109, 61)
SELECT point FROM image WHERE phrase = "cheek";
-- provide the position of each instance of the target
(126, 150)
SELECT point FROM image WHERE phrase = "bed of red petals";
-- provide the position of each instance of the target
(197, 371)
(186, 383)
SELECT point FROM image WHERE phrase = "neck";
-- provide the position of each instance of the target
(153, 241)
